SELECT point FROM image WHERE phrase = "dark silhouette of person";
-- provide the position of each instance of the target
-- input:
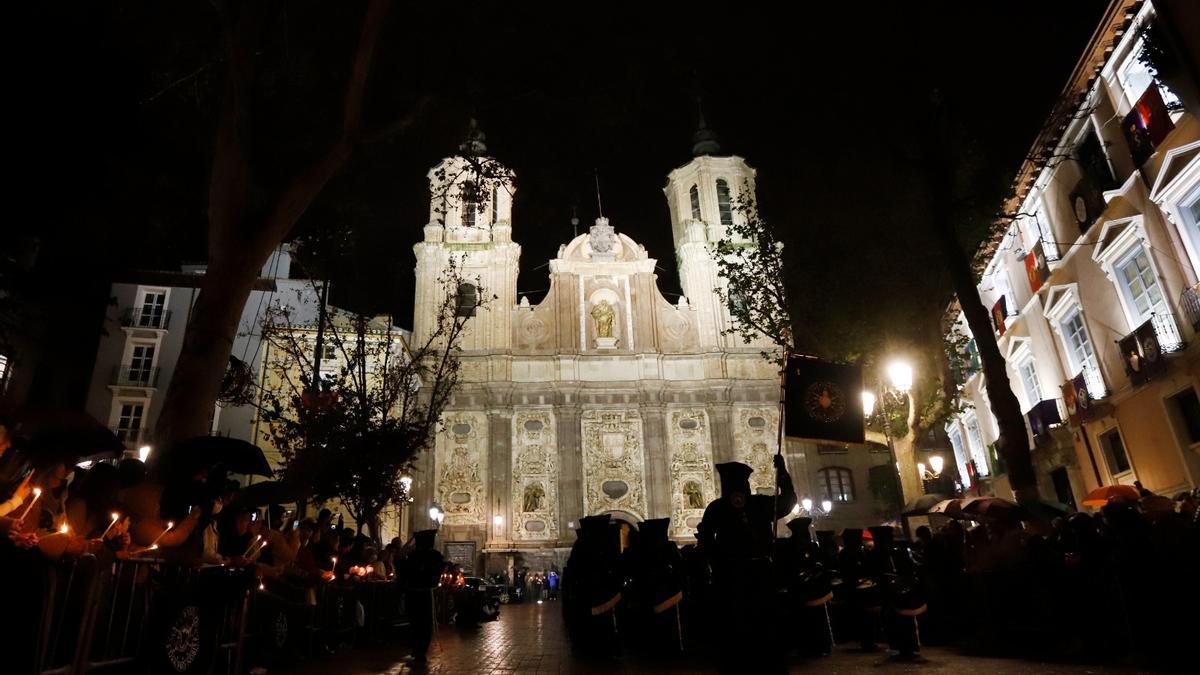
(592, 587)
(737, 533)
(419, 572)
(809, 591)
(861, 589)
(653, 567)
(903, 597)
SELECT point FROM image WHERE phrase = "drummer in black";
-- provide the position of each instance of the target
(737, 533)
(592, 587)
(419, 572)
(655, 572)
(809, 589)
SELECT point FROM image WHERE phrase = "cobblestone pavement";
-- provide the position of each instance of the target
(530, 639)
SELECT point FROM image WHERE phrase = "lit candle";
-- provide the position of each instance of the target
(62, 530)
(252, 544)
(115, 517)
(37, 492)
(154, 544)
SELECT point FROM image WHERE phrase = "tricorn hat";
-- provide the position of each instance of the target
(734, 476)
(424, 538)
(655, 529)
(800, 527)
(594, 524)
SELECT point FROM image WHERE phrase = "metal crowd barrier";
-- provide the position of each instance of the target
(150, 616)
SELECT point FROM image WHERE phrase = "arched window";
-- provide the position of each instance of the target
(495, 201)
(724, 203)
(837, 482)
(467, 299)
(694, 193)
(470, 204)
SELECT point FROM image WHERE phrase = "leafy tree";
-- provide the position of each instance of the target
(353, 430)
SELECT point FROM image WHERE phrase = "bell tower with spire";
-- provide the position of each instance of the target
(702, 196)
(470, 222)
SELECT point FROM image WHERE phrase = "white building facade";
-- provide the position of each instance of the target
(1093, 285)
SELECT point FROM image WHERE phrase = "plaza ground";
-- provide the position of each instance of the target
(529, 638)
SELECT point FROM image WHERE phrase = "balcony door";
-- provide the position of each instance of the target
(150, 313)
(1140, 286)
(129, 420)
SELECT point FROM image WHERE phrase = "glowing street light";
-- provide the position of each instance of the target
(868, 403)
(826, 505)
(937, 463)
(901, 375)
(144, 452)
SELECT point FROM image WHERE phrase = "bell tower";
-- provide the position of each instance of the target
(702, 196)
(470, 223)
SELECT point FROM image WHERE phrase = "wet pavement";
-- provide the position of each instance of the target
(530, 638)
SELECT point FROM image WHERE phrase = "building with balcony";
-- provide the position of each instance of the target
(143, 335)
(1092, 280)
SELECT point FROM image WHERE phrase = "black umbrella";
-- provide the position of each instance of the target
(205, 452)
(70, 436)
(921, 505)
(272, 492)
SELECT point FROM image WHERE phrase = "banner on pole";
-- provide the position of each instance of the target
(823, 401)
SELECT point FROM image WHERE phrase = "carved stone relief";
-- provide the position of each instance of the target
(534, 493)
(755, 439)
(691, 469)
(614, 463)
(461, 468)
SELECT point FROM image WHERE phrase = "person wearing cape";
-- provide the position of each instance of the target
(737, 533)
(592, 588)
(419, 572)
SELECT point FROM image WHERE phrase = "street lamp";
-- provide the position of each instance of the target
(806, 507)
(144, 452)
(436, 515)
(901, 375)
(868, 403)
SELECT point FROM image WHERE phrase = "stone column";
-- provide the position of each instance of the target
(658, 480)
(570, 469)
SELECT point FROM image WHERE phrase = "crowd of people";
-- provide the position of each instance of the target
(1117, 585)
(54, 506)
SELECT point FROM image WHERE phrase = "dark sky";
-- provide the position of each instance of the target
(821, 98)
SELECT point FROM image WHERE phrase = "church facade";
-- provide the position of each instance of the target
(604, 397)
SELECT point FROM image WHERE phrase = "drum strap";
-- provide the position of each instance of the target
(820, 601)
(604, 607)
(668, 603)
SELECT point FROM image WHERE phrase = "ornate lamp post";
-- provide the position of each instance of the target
(900, 375)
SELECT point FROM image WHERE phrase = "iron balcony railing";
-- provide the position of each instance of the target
(1095, 383)
(126, 376)
(1167, 332)
(1050, 250)
(1189, 302)
(145, 317)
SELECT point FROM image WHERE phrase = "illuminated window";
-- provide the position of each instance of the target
(694, 194)
(724, 202)
(1029, 380)
(837, 482)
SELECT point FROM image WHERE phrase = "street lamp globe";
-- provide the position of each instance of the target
(826, 505)
(806, 503)
(868, 403)
(936, 463)
(901, 375)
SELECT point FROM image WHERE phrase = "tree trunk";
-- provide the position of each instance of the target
(940, 171)
(1013, 441)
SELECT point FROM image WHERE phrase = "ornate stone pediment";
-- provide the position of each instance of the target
(755, 439)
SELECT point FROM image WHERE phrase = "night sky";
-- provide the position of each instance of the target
(823, 102)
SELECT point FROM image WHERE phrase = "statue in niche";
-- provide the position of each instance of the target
(692, 495)
(535, 494)
(602, 314)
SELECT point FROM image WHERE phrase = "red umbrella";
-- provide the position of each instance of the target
(1102, 495)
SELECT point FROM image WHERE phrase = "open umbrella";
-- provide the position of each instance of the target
(204, 452)
(990, 507)
(272, 492)
(71, 436)
(1044, 509)
(951, 508)
(1102, 495)
(921, 505)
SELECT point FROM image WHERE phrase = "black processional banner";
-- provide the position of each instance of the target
(1142, 354)
(823, 401)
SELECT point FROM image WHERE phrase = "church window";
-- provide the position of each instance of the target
(724, 202)
(837, 483)
(470, 204)
(495, 200)
(694, 193)
(467, 300)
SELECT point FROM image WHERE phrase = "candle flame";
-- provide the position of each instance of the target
(170, 524)
(64, 529)
(37, 492)
(115, 516)
(153, 547)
